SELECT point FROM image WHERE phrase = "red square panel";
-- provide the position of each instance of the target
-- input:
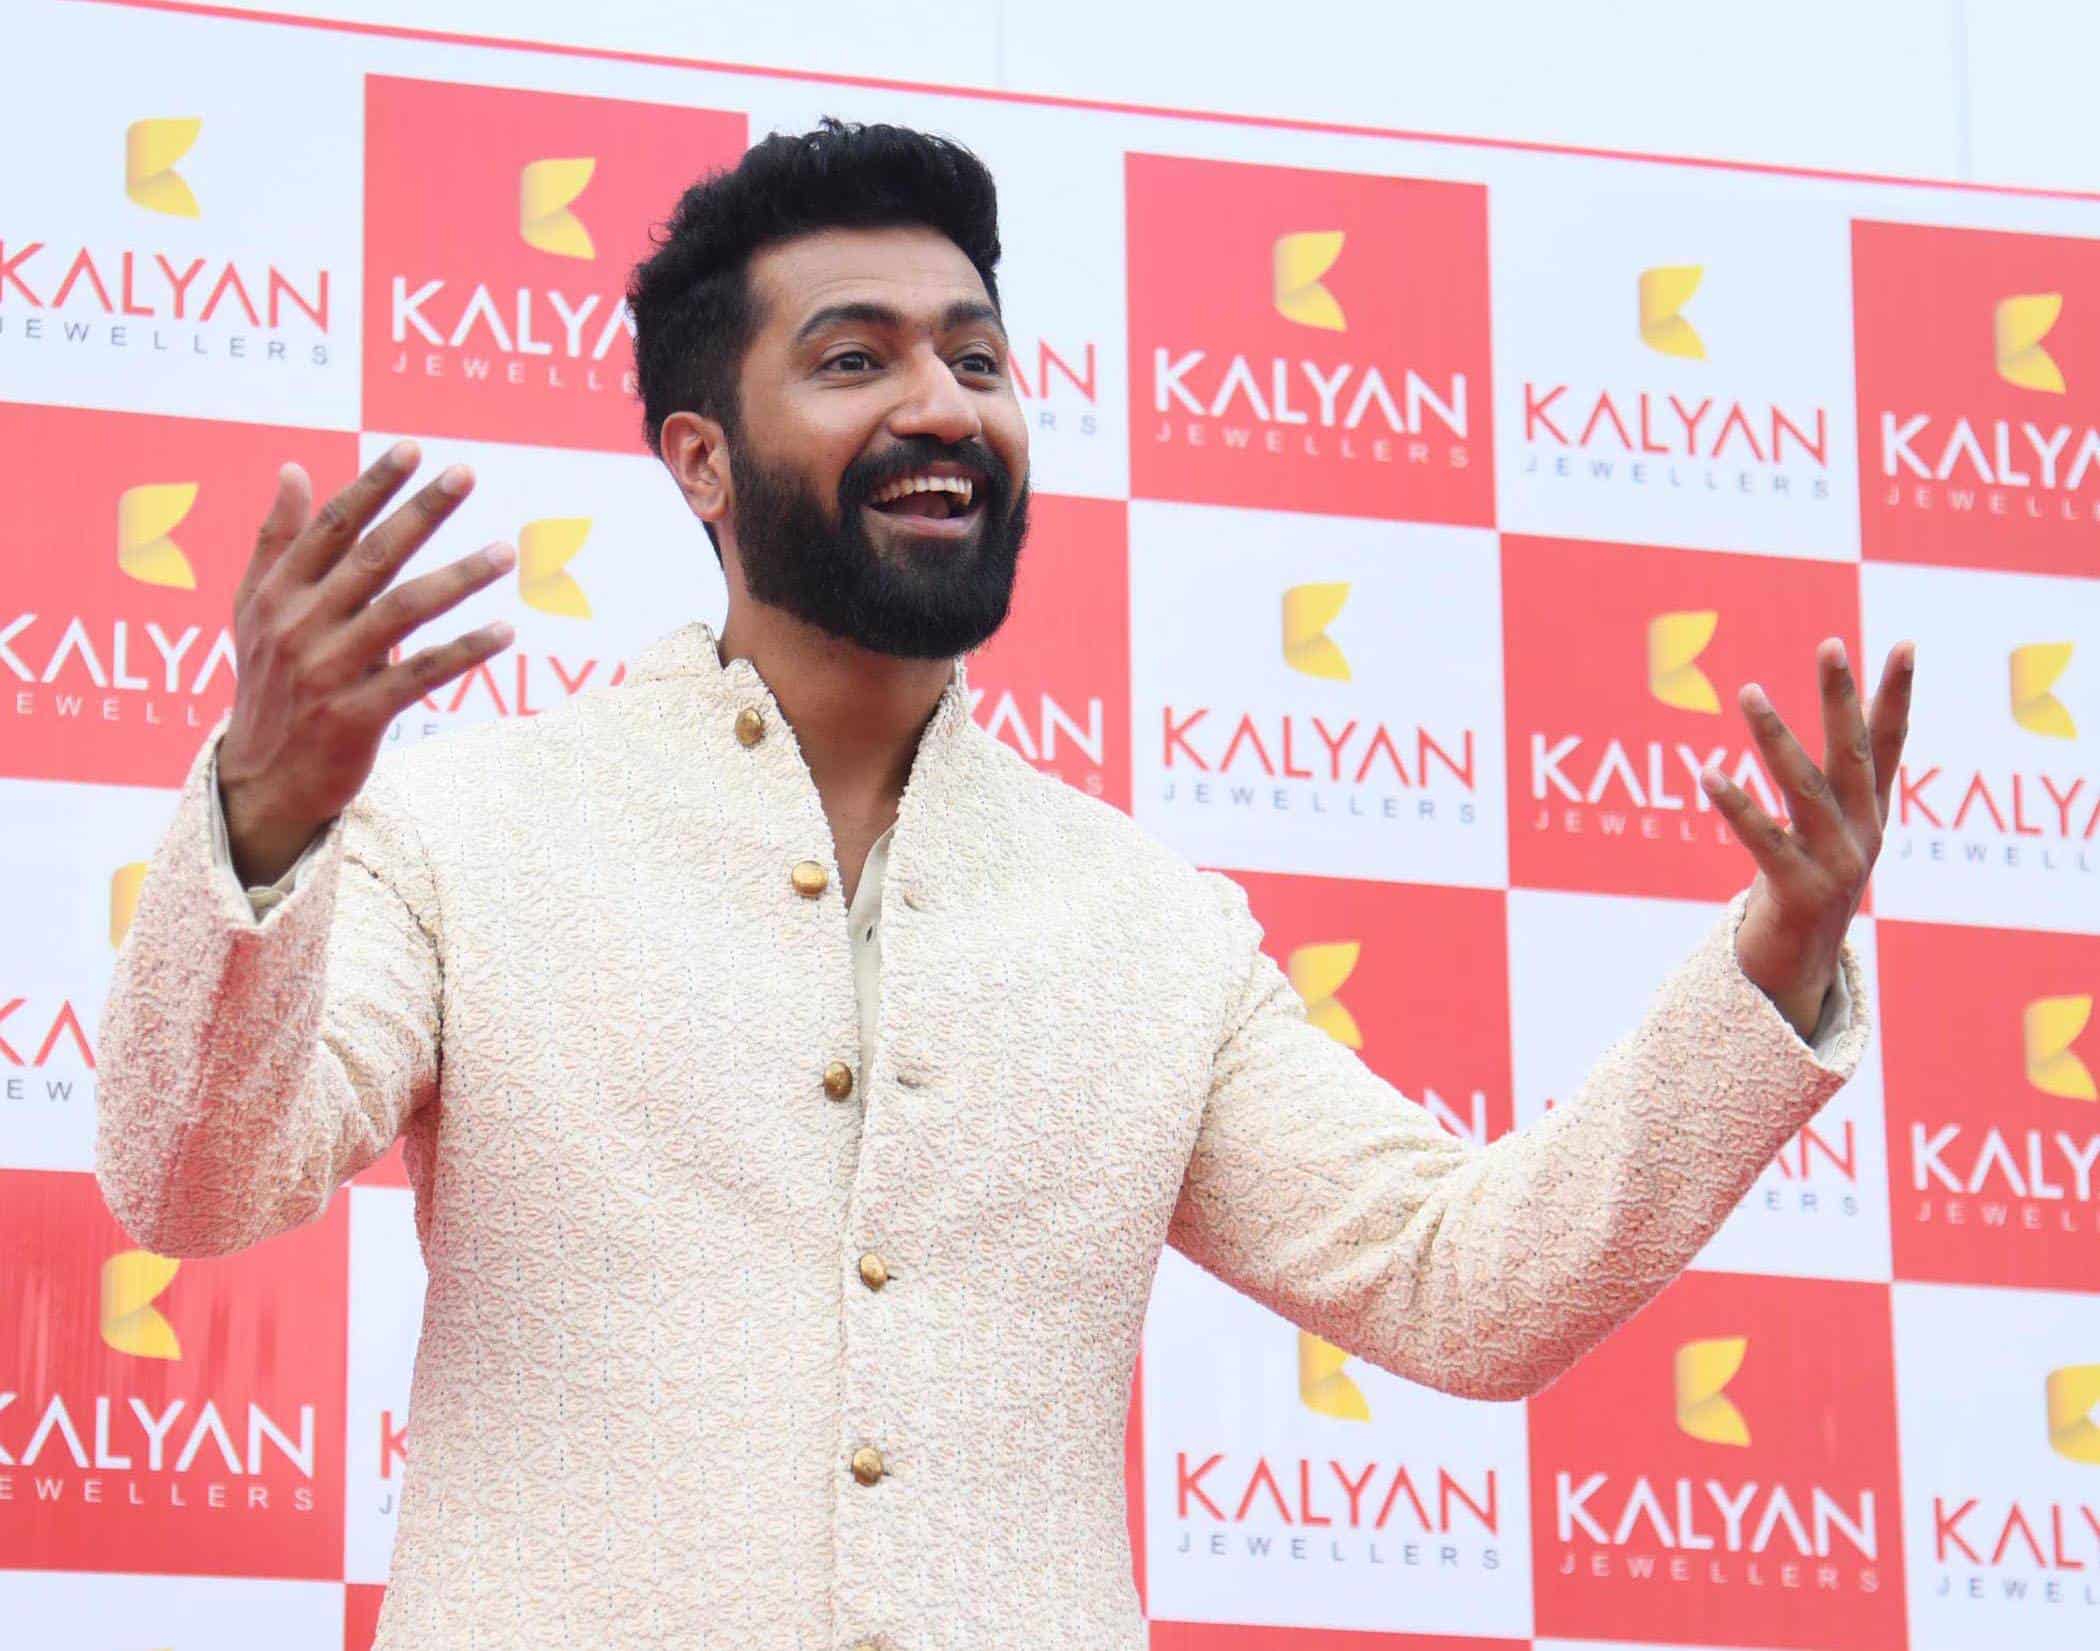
(500, 229)
(1622, 665)
(1979, 397)
(1414, 977)
(180, 1417)
(126, 537)
(1054, 683)
(1310, 341)
(1722, 1471)
(1994, 1141)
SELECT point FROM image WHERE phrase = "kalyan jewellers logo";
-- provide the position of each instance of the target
(1932, 462)
(2019, 813)
(1651, 776)
(2030, 1180)
(1269, 398)
(150, 1449)
(74, 657)
(149, 298)
(2070, 1396)
(1752, 1518)
(2037, 1545)
(1649, 436)
(1703, 1370)
(545, 550)
(1364, 766)
(546, 324)
(1663, 293)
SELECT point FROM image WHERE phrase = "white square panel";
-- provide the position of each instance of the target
(1318, 694)
(1994, 816)
(1673, 365)
(1996, 1398)
(1286, 1485)
(1583, 971)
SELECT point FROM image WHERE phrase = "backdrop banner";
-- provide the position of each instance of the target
(1410, 512)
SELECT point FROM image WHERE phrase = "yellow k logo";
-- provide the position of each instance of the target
(1704, 1370)
(1322, 1388)
(1307, 612)
(146, 516)
(1675, 642)
(2048, 1028)
(131, 1280)
(1663, 292)
(545, 189)
(545, 549)
(124, 886)
(1300, 260)
(151, 149)
(2018, 326)
(1318, 972)
(2070, 1395)
(2035, 668)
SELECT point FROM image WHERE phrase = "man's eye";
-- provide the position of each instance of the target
(979, 361)
(851, 360)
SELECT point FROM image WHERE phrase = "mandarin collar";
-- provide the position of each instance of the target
(694, 650)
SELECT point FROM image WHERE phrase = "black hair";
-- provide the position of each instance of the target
(691, 297)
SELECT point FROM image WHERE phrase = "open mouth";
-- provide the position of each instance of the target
(927, 503)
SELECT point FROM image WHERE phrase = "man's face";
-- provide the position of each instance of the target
(879, 460)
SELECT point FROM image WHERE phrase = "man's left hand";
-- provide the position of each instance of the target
(1812, 873)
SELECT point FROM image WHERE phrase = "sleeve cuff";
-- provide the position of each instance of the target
(1835, 1019)
(261, 897)
(1842, 1026)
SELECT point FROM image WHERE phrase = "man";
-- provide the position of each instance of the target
(797, 1088)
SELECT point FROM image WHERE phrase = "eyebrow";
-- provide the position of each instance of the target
(962, 313)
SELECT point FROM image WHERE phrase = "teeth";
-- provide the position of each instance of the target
(961, 486)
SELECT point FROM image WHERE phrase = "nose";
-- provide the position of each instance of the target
(934, 404)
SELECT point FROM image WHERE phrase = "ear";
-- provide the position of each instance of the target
(696, 451)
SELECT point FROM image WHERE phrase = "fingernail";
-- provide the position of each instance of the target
(1840, 641)
(1711, 779)
(454, 480)
(501, 632)
(401, 455)
(1756, 696)
(501, 557)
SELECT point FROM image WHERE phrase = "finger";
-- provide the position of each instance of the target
(384, 622)
(1848, 761)
(281, 524)
(382, 553)
(1890, 721)
(1777, 855)
(386, 694)
(1810, 803)
(337, 524)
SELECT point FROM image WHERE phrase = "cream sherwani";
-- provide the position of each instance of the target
(737, 1337)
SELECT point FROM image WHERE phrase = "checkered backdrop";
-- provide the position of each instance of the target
(1411, 512)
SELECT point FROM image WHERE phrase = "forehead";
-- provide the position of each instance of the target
(909, 268)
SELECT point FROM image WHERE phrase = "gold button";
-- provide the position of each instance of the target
(867, 1464)
(750, 726)
(809, 879)
(838, 1080)
(872, 1272)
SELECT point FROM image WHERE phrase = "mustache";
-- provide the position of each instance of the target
(867, 475)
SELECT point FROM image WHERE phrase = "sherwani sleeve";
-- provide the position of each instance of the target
(1319, 1190)
(251, 1063)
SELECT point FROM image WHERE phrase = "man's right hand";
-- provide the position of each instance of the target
(312, 637)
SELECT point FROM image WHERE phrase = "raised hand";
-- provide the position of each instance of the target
(1812, 874)
(314, 623)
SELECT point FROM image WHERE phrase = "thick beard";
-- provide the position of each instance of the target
(933, 602)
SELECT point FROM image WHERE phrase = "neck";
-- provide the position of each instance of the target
(857, 715)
